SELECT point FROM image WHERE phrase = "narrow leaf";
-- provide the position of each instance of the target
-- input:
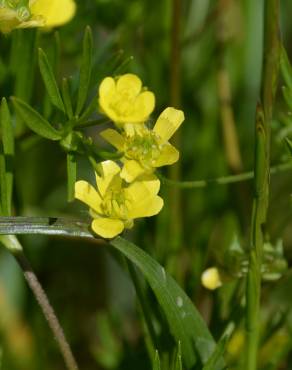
(289, 145)
(185, 322)
(287, 93)
(217, 355)
(7, 157)
(286, 68)
(50, 81)
(156, 363)
(177, 364)
(71, 175)
(6, 129)
(67, 98)
(3, 186)
(85, 72)
(35, 121)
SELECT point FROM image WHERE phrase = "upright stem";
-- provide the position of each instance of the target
(271, 59)
(175, 101)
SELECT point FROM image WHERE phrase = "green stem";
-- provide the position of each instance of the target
(224, 180)
(262, 177)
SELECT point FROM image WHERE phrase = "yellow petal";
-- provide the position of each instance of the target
(146, 208)
(141, 190)
(144, 106)
(131, 170)
(88, 195)
(168, 122)
(107, 88)
(130, 83)
(108, 171)
(55, 12)
(114, 138)
(168, 155)
(107, 227)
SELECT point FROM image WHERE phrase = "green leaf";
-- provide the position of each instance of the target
(6, 129)
(185, 322)
(177, 364)
(286, 68)
(289, 145)
(217, 355)
(50, 81)
(287, 93)
(7, 158)
(67, 98)
(156, 363)
(3, 185)
(71, 175)
(85, 72)
(35, 121)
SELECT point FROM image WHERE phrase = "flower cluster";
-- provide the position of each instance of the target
(129, 190)
(35, 13)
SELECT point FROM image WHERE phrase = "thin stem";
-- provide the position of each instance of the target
(47, 309)
(262, 177)
(224, 180)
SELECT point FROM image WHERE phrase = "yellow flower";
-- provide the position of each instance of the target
(144, 150)
(211, 278)
(124, 100)
(35, 13)
(114, 205)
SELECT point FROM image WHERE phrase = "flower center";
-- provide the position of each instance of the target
(115, 204)
(143, 147)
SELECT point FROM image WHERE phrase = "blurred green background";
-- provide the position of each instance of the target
(213, 74)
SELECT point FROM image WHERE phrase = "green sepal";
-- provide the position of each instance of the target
(71, 175)
(35, 121)
(85, 71)
(50, 81)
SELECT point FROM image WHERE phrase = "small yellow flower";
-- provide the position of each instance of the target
(144, 150)
(211, 278)
(114, 205)
(124, 100)
(35, 13)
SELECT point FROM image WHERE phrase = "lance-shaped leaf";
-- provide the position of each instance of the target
(289, 145)
(286, 69)
(7, 157)
(85, 71)
(35, 121)
(50, 81)
(156, 362)
(186, 324)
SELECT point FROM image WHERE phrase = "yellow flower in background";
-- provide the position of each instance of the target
(211, 278)
(144, 150)
(35, 13)
(124, 100)
(114, 205)
(55, 12)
